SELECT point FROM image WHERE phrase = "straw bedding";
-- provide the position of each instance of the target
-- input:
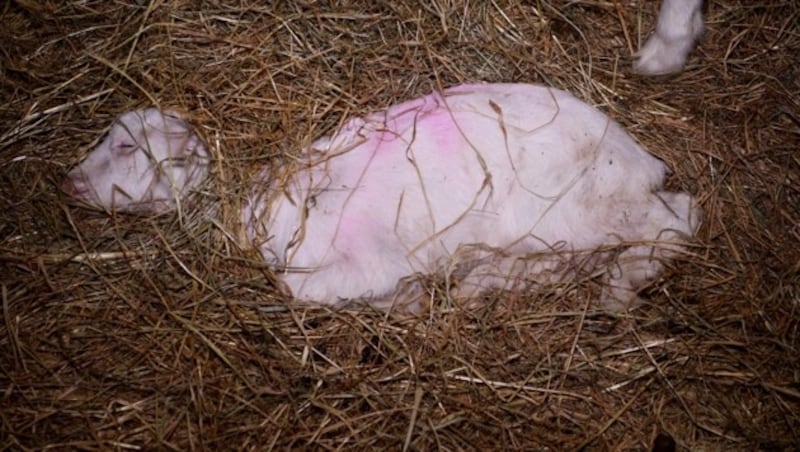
(122, 332)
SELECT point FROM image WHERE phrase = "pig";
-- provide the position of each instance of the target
(148, 161)
(679, 26)
(491, 186)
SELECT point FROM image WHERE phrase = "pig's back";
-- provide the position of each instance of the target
(478, 163)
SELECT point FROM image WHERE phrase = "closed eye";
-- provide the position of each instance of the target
(126, 148)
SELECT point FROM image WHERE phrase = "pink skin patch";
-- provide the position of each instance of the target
(427, 119)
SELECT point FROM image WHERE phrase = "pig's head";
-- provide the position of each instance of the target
(149, 160)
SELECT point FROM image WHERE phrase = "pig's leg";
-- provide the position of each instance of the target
(656, 233)
(670, 219)
(478, 271)
(518, 272)
(490, 272)
(409, 296)
(680, 24)
(345, 278)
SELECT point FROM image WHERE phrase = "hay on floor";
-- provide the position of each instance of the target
(124, 332)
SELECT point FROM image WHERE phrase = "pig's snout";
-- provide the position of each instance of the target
(75, 185)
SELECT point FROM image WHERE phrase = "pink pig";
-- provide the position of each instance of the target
(149, 160)
(489, 185)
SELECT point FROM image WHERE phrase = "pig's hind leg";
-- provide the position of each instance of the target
(477, 271)
(663, 225)
(346, 277)
(493, 270)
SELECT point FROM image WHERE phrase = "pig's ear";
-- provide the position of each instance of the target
(195, 146)
(176, 129)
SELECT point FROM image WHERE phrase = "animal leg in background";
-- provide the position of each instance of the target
(680, 24)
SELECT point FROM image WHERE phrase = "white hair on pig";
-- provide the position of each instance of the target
(491, 185)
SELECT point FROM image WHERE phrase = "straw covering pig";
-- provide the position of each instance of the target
(490, 185)
(148, 161)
